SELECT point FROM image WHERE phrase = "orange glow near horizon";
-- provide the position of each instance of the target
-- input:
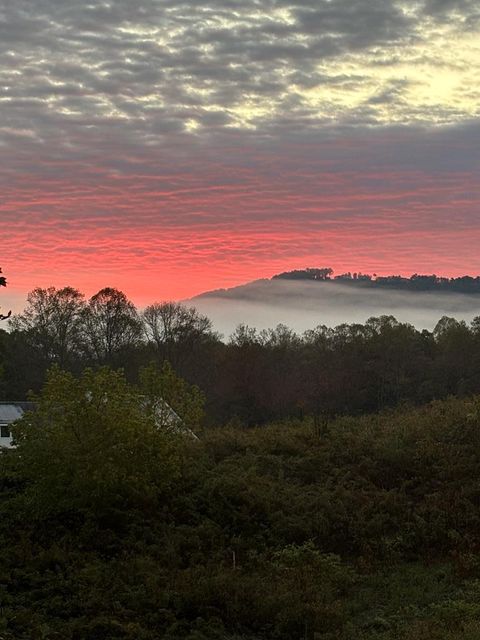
(170, 232)
(182, 264)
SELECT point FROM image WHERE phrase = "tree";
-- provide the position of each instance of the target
(90, 449)
(320, 375)
(52, 324)
(313, 581)
(175, 329)
(111, 325)
(3, 283)
(457, 364)
(245, 336)
(160, 386)
(306, 274)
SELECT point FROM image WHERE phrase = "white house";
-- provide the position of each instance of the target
(9, 413)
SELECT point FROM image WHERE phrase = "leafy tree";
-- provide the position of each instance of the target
(306, 274)
(170, 322)
(312, 580)
(457, 360)
(320, 375)
(160, 386)
(91, 449)
(110, 528)
(245, 336)
(243, 375)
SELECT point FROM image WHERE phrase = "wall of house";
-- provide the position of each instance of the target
(9, 413)
(5, 441)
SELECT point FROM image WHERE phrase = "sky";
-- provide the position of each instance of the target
(168, 147)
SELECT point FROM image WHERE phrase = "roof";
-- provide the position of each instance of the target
(11, 411)
(166, 417)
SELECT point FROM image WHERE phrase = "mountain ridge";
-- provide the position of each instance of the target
(416, 283)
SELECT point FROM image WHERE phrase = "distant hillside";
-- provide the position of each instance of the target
(416, 282)
(311, 297)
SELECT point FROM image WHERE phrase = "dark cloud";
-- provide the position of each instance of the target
(447, 6)
(122, 61)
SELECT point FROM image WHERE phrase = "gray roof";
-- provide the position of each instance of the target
(11, 411)
(166, 417)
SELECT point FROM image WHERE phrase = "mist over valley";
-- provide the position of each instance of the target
(303, 304)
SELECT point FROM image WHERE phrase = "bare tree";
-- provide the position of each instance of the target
(52, 323)
(111, 324)
(174, 329)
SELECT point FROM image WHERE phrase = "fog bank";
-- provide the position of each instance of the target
(304, 305)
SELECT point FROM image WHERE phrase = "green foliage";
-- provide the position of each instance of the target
(89, 447)
(164, 384)
(111, 527)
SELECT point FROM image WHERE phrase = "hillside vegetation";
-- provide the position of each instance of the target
(363, 528)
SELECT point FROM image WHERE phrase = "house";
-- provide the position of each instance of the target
(165, 417)
(9, 413)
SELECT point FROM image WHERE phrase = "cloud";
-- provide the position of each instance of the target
(243, 137)
(235, 209)
(161, 68)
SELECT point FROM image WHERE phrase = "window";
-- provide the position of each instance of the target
(4, 431)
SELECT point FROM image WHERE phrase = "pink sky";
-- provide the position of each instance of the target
(214, 223)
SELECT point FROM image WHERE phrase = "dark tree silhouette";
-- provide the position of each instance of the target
(111, 325)
(52, 324)
(3, 283)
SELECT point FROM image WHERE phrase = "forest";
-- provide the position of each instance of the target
(332, 492)
(416, 282)
(251, 377)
